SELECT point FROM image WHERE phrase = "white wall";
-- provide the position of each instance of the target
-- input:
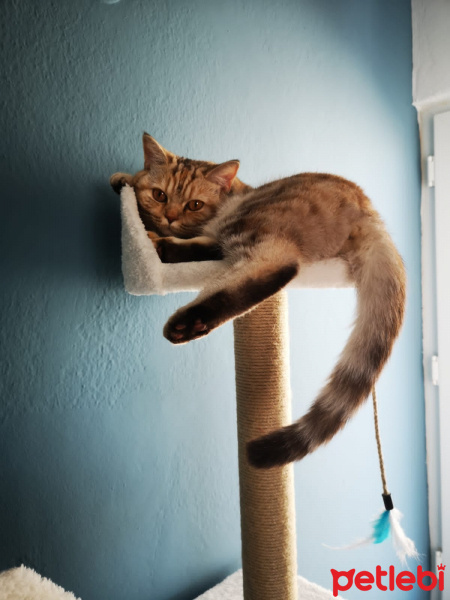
(431, 52)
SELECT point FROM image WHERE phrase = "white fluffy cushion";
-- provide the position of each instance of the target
(25, 584)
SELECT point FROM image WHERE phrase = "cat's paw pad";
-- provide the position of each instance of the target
(185, 326)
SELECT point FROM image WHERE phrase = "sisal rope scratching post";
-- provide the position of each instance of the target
(269, 551)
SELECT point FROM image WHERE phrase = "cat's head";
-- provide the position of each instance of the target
(177, 195)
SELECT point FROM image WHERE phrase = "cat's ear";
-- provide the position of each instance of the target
(154, 154)
(118, 180)
(224, 174)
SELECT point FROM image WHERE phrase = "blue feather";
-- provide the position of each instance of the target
(381, 528)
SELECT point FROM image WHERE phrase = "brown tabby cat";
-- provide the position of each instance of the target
(202, 211)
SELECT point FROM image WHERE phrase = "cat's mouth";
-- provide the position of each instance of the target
(177, 229)
(167, 229)
(172, 228)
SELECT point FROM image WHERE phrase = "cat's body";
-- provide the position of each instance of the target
(267, 234)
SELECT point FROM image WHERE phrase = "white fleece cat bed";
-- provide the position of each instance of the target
(231, 589)
(25, 584)
(145, 274)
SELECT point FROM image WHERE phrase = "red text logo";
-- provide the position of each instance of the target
(387, 580)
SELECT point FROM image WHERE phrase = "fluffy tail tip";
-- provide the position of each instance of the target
(274, 450)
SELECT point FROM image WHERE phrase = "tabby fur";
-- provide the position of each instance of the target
(267, 234)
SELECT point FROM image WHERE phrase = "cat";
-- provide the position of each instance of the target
(202, 211)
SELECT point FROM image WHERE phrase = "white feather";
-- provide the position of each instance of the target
(404, 546)
(357, 544)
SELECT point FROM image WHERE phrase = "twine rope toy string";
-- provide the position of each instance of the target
(389, 521)
(378, 439)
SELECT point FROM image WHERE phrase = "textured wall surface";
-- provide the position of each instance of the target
(118, 463)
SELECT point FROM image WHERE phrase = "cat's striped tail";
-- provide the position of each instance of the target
(381, 285)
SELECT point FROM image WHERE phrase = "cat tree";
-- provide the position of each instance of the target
(263, 404)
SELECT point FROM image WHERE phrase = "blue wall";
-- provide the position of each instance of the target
(118, 463)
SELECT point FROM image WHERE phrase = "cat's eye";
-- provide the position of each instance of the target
(159, 195)
(195, 205)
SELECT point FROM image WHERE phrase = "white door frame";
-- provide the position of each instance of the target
(438, 494)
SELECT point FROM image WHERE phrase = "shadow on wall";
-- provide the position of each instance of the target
(106, 235)
(73, 235)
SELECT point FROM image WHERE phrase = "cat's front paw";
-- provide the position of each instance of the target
(167, 249)
(118, 180)
(186, 325)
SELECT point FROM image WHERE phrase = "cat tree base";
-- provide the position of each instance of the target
(23, 583)
(232, 589)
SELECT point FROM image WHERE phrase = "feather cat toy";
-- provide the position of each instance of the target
(387, 524)
(197, 210)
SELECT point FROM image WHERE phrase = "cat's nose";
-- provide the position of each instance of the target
(171, 217)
